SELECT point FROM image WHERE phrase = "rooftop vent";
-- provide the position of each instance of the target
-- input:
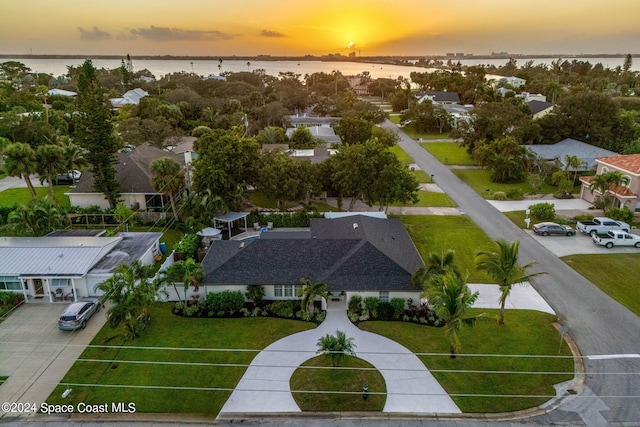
(355, 225)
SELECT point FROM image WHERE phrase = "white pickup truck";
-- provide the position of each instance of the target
(601, 225)
(616, 238)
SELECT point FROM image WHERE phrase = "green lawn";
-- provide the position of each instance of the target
(401, 155)
(449, 153)
(524, 333)
(317, 375)
(428, 199)
(611, 273)
(21, 196)
(412, 133)
(176, 340)
(259, 199)
(480, 181)
(422, 176)
(436, 233)
(394, 119)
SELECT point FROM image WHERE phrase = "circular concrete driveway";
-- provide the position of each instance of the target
(264, 387)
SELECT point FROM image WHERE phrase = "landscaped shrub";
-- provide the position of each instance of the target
(515, 194)
(294, 219)
(371, 306)
(398, 307)
(499, 195)
(227, 302)
(284, 309)
(385, 311)
(583, 217)
(620, 214)
(355, 304)
(188, 245)
(543, 211)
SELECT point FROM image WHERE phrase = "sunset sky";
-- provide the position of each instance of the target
(300, 27)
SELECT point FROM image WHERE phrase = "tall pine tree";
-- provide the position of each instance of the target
(94, 132)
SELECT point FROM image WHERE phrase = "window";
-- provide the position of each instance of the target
(10, 283)
(287, 291)
(59, 283)
(384, 296)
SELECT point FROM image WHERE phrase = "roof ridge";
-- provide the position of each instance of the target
(329, 271)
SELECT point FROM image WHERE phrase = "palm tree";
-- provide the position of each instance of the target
(20, 161)
(575, 163)
(309, 294)
(336, 347)
(605, 181)
(600, 183)
(36, 218)
(436, 266)
(73, 157)
(169, 179)
(503, 267)
(450, 298)
(50, 159)
(132, 294)
(617, 180)
(188, 272)
(255, 293)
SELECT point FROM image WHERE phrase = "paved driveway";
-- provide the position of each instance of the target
(264, 387)
(35, 354)
(578, 244)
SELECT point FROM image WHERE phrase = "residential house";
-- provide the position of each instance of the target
(626, 195)
(512, 81)
(61, 92)
(134, 176)
(131, 97)
(358, 84)
(540, 108)
(570, 147)
(354, 255)
(439, 97)
(67, 265)
(323, 132)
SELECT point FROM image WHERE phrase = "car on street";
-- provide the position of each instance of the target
(548, 228)
(77, 314)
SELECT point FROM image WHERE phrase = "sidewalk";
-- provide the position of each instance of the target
(264, 388)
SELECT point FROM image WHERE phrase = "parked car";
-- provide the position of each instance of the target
(547, 228)
(616, 238)
(71, 176)
(76, 315)
(601, 225)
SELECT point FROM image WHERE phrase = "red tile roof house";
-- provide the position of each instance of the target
(628, 165)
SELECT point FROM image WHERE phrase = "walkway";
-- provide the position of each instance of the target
(265, 385)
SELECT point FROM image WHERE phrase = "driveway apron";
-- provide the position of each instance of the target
(410, 386)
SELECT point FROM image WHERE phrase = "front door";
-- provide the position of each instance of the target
(39, 289)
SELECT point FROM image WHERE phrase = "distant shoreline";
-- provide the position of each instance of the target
(391, 59)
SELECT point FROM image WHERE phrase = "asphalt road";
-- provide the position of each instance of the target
(598, 324)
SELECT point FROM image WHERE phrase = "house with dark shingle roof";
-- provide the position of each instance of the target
(134, 176)
(440, 97)
(353, 255)
(540, 108)
(626, 195)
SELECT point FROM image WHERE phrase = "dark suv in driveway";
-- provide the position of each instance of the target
(76, 315)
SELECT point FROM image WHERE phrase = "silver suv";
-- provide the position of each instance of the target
(76, 315)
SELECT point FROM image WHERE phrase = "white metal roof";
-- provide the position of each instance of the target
(52, 256)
